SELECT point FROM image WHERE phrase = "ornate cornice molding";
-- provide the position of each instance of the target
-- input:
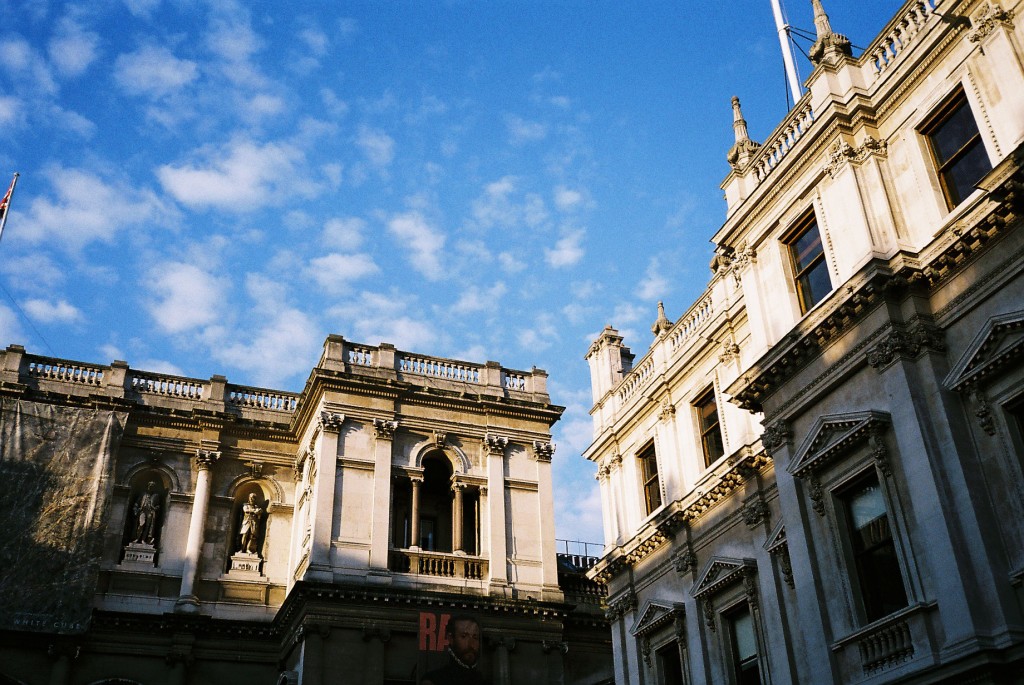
(543, 451)
(494, 445)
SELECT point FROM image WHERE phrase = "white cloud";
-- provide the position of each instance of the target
(284, 346)
(141, 8)
(653, 285)
(497, 207)
(33, 273)
(154, 71)
(567, 251)
(184, 297)
(11, 331)
(510, 263)
(88, 208)
(336, 271)
(22, 62)
(423, 242)
(541, 336)
(72, 121)
(263, 104)
(344, 233)
(475, 299)
(10, 110)
(403, 332)
(377, 146)
(243, 177)
(522, 131)
(315, 39)
(73, 48)
(157, 366)
(52, 312)
(567, 199)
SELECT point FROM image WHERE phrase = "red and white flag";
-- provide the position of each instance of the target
(5, 204)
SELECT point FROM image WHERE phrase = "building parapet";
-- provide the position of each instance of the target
(490, 378)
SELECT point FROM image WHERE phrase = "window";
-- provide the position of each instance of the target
(876, 567)
(810, 272)
(710, 431)
(956, 146)
(649, 472)
(744, 647)
(670, 665)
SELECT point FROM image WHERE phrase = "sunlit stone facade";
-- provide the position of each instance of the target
(196, 531)
(814, 475)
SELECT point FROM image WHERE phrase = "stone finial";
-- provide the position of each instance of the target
(662, 325)
(743, 151)
(830, 47)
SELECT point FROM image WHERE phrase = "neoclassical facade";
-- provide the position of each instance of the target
(816, 473)
(160, 529)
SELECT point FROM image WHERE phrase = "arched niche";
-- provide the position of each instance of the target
(167, 475)
(149, 485)
(255, 533)
(271, 489)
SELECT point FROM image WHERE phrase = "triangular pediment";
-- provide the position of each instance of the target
(656, 614)
(719, 572)
(833, 435)
(1000, 341)
(777, 538)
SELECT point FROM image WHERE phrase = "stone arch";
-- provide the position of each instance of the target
(240, 490)
(272, 490)
(459, 460)
(171, 483)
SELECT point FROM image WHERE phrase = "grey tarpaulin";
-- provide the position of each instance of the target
(56, 477)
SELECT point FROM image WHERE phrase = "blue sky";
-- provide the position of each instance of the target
(212, 187)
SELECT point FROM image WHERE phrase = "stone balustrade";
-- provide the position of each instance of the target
(782, 141)
(438, 564)
(170, 386)
(894, 40)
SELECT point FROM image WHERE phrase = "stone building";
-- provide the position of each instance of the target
(164, 529)
(814, 475)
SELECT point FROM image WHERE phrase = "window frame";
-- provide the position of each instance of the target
(805, 223)
(703, 431)
(940, 115)
(650, 482)
(842, 495)
(737, 665)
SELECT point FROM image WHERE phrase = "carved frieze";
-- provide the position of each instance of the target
(621, 606)
(667, 411)
(755, 512)
(685, 561)
(730, 351)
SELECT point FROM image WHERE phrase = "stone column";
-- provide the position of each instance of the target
(62, 655)
(373, 658)
(313, 637)
(384, 430)
(494, 448)
(414, 524)
(502, 666)
(544, 451)
(204, 461)
(457, 517)
(323, 465)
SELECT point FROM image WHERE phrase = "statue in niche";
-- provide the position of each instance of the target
(252, 516)
(145, 512)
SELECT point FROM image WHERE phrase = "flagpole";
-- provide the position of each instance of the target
(787, 51)
(8, 197)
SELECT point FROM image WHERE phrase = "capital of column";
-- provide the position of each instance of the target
(383, 429)
(543, 450)
(495, 445)
(330, 421)
(205, 459)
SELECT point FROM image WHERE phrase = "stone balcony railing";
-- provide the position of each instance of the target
(438, 564)
(119, 381)
(384, 361)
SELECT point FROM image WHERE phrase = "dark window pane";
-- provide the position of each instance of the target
(744, 647)
(815, 284)
(877, 567)
(807, 247)
(669, 665)
(710, 430)
(953, 133)
(649, 472)
(970, 168)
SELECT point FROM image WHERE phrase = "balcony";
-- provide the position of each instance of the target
(437, 564)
